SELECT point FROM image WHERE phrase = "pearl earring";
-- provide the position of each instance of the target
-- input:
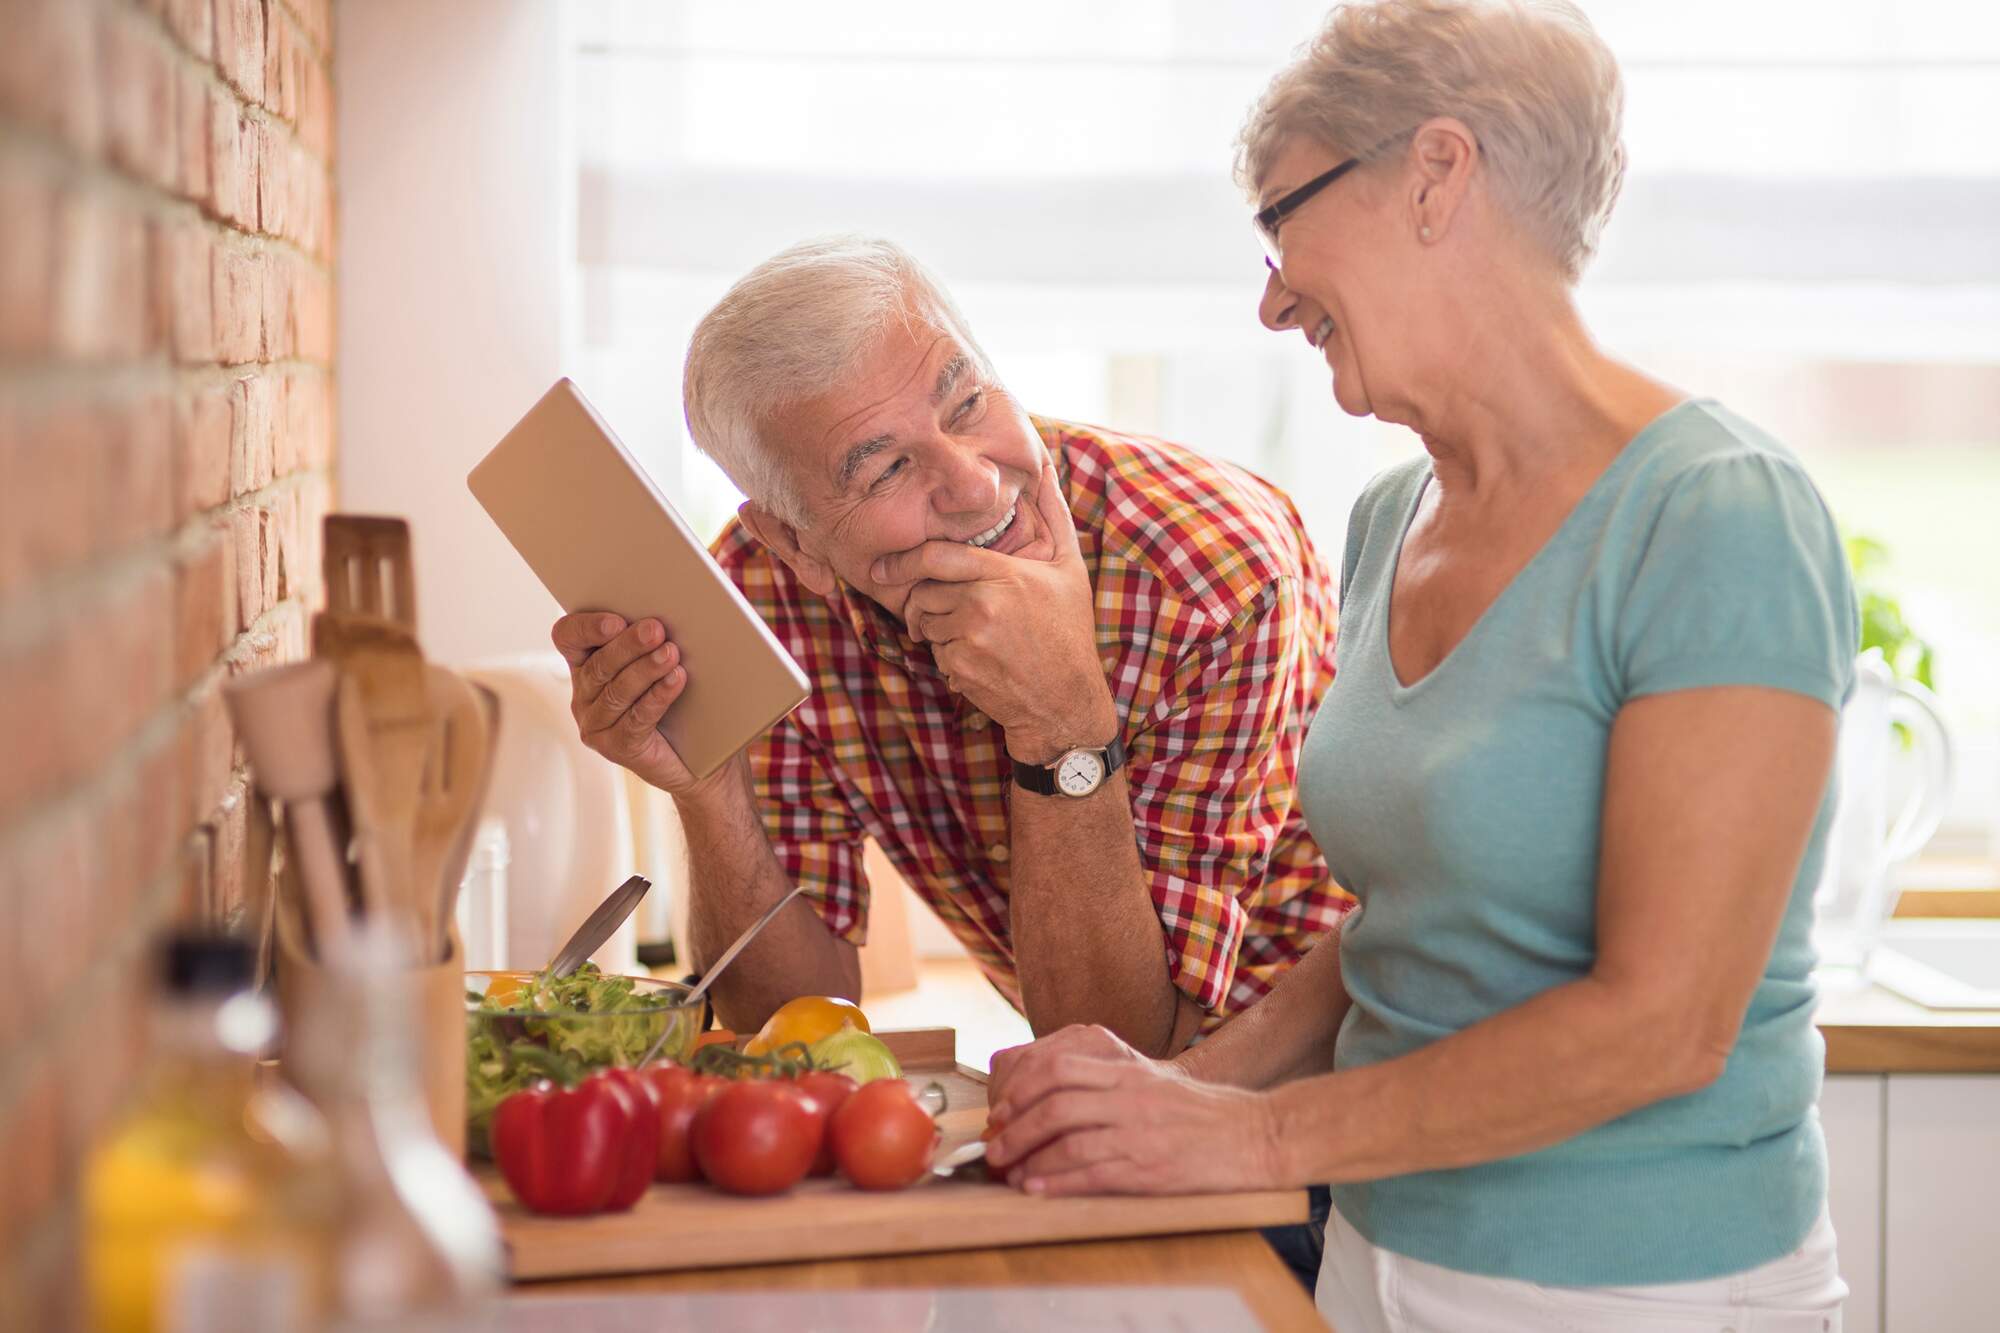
(1424, 232)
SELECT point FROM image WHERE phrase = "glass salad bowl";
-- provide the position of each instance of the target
(525, 1026)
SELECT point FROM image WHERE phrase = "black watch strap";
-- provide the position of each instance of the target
(1041, 779)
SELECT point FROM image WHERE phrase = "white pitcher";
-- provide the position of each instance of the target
(1855, 894)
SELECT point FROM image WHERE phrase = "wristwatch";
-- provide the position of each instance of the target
(1075, 773)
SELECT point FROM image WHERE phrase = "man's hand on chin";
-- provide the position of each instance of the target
(1017, 636)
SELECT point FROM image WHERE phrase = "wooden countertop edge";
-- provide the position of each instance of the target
(542, 1249)
(1948, 904)
(1875, 1031)
(1916, 1049)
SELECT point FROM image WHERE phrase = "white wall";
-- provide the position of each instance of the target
(455, 234)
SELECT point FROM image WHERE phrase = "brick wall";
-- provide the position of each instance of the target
(166, 348)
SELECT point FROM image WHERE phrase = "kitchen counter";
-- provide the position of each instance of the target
(1874, 1031)
(1867, 1030)
(611, 1264)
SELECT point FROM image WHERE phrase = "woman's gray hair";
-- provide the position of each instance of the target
(1530, 78)
(790, 330)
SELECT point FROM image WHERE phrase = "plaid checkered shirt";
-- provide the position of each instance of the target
(1215, 624)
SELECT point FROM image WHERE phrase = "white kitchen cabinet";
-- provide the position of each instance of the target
(1941, 1206)
(1852, 1112)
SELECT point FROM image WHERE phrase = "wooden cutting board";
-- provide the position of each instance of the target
(693, 1226)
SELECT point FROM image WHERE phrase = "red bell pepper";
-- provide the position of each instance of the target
(642, 1144)
(575, 1151)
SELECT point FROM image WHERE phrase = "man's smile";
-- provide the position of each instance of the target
(993, 534)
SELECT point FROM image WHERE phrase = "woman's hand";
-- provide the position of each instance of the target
(1086, 1039)
(1080, 1112)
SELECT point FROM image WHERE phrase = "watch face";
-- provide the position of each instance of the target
(1080, 772)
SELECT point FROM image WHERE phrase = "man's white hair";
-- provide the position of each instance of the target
(1530, 78)
(790, 330)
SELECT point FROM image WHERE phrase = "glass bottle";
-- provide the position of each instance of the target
(416, 1241)
(207, 1205)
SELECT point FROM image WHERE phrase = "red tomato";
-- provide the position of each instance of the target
(755, 1138)
(681, 1093)
(826, 1090)
(882, 1136)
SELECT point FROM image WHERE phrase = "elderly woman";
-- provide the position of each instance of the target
(1559, 1066)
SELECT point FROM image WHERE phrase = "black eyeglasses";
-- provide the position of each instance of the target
(1266, 221)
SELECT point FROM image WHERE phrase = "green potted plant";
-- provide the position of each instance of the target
(1904, 651)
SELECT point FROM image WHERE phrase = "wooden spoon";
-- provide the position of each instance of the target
(285, 717)
(454, 784)
(260, 889)
(461, 850)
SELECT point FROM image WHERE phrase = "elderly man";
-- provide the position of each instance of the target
(1060, 675)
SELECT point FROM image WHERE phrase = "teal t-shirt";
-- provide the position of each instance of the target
(1463, 811)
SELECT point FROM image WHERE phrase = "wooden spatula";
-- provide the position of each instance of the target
(367, 568)
(369, 631)
(454, 784)
(364, 797)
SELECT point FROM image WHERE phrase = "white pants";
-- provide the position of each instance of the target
(1364, 1289)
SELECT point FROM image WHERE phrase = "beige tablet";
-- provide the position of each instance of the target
(601, 537)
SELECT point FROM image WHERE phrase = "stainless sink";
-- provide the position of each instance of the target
(1940, 964)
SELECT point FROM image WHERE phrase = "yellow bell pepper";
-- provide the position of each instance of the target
(806, 1019)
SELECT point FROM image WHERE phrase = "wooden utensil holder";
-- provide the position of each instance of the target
(438, 994)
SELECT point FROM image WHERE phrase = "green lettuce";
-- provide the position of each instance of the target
(560, 1028)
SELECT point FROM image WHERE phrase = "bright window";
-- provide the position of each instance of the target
(1810, 231)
